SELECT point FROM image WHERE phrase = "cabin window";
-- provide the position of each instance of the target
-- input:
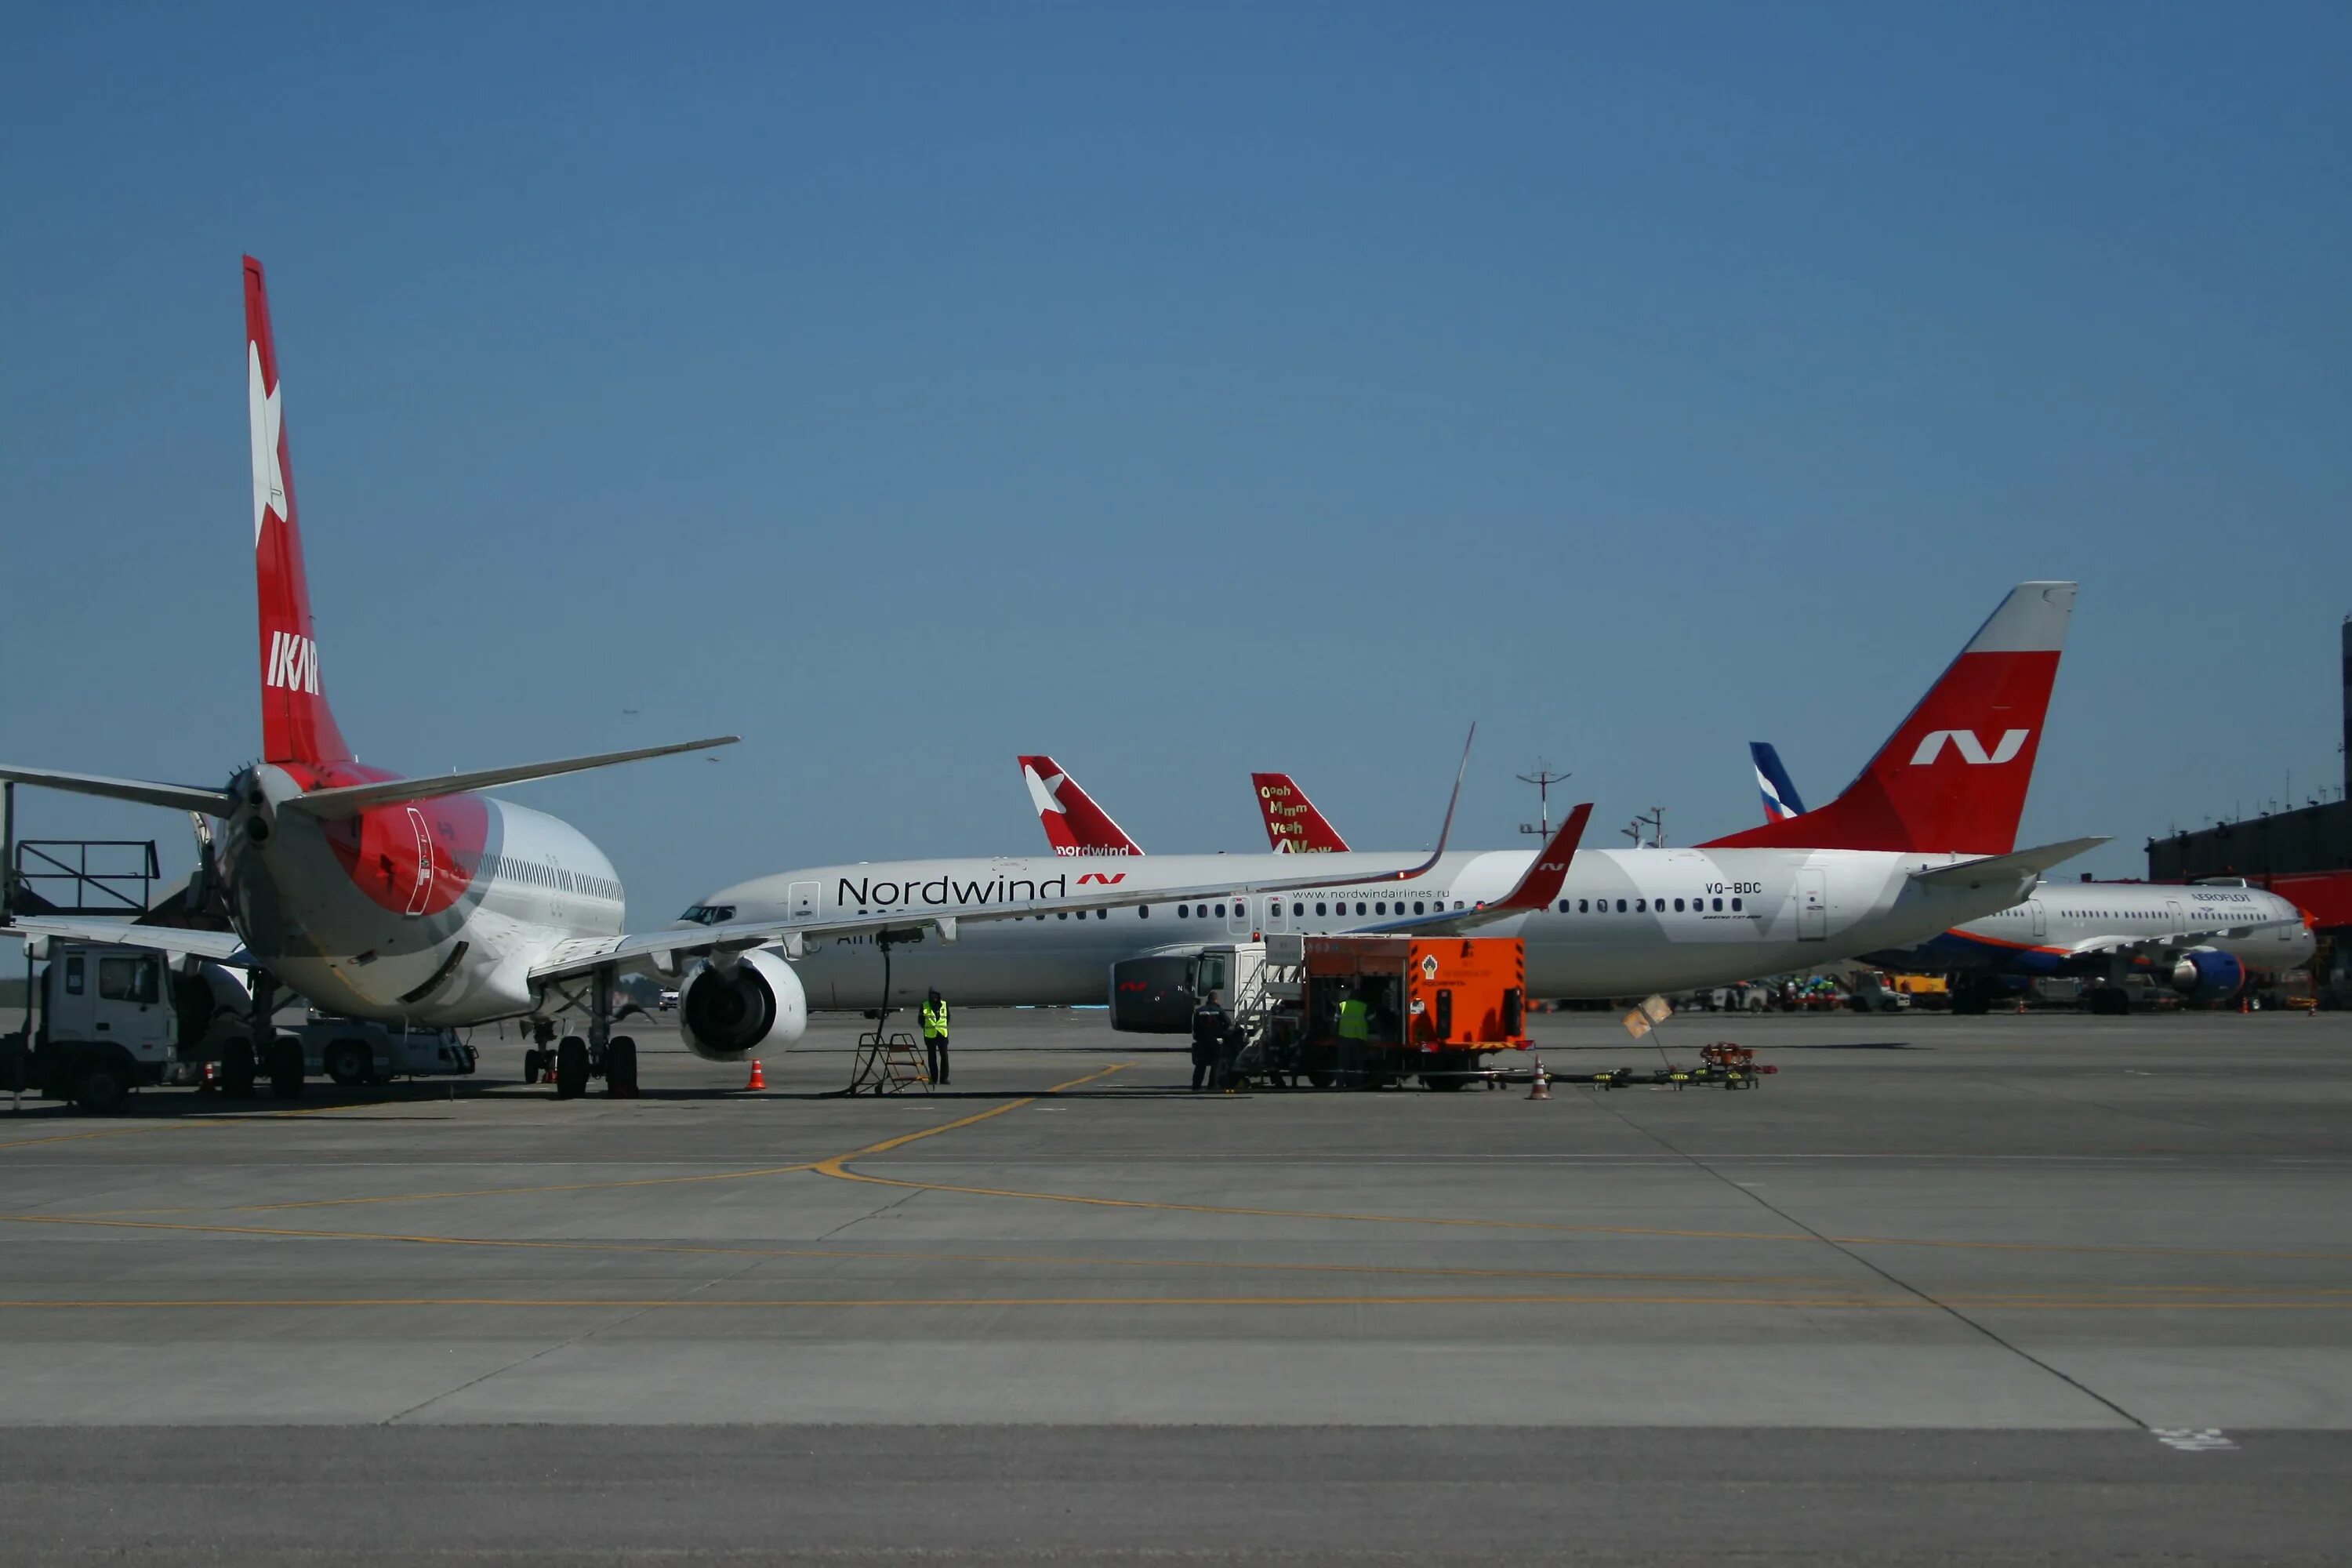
(1583, 906)
(1183, 913)
(1321, 909)
(1221, 911)
(1359, 909)
(1678, 906)
(1143, 911)
(1718, 906)
(1735, 906)
(1297, 910)
(1621, 906)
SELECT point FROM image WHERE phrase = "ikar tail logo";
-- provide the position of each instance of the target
(293, 663)
(1971, 749)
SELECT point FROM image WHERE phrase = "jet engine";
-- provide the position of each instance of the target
(2208, 975)
(755, 1003)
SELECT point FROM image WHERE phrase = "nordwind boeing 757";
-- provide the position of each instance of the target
(1923, 840)
(418, 900)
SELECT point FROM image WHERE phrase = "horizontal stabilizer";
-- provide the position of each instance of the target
(174, 797)
(349, 800)
(2006, 867)
(220, 946)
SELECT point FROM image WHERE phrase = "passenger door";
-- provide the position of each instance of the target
(1812, 904)
(1237, 919)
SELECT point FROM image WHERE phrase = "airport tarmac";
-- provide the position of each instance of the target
(1944, 1289)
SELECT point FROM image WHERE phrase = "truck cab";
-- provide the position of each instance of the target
(108, 1019)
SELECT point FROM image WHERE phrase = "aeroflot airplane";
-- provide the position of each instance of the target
(2204, 938)
(380, 897)
(1922, 841)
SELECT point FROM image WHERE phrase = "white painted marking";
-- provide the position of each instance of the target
(2191, 1439)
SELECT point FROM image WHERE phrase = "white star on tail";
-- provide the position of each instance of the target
(1043, 793)
(265, 416)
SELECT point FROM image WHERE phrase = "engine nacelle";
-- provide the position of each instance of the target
(757, 1004)
(2208, 975)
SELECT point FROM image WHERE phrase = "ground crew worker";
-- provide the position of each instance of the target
(1355, 1035)
(1355, 1019)
(935, 1037)
(1210, 1023)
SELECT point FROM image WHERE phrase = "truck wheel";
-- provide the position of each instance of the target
(571, 1068)
(236, 1070)
(349, 1062)
(101, 1089)
(286, 1068)
(621, 1068)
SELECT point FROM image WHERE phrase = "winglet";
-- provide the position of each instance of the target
(1445, 828)
(1541, 884)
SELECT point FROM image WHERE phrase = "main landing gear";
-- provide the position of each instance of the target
(574, 1060)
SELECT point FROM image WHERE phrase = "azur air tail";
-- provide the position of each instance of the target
(1293, 826)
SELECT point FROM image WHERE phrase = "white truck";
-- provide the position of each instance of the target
(104, 1019)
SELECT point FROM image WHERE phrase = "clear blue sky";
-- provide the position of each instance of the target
(1180, 391)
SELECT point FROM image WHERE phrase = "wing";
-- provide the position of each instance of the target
(220, 946)
(1537, 886)
(146, 792)
(667, 950)
(2169, 941)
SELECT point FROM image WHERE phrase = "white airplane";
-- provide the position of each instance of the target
(2205, 940)
(1924, 840)
(418, 901)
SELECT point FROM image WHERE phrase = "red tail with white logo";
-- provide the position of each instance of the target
(1293, 826)
(297, 726)
(1953, 776)
(1073, 822)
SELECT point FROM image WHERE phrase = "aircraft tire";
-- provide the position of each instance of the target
(571, 1068)
(237, 1069)
(621, 1068)
(286, 1068)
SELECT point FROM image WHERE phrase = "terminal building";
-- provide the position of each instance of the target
(2305, 854)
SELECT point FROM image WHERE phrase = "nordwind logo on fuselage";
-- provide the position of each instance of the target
(1971, 749)
(872, 893)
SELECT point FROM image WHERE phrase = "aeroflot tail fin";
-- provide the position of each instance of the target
(1780, 800)
(1073, 824)
(1953, 776)
(297, 725)
(1293, 826)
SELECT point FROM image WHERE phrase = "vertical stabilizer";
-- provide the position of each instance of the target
(1780, 800)
(1953, 776)
(1293, 826)
(297, 726)
(1073, 824)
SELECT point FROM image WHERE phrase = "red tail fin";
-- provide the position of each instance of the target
(1953, 776)
(1293, 826)
(297, 725)
(1074, 824)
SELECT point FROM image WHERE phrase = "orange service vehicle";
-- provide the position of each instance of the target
(1374, 1010)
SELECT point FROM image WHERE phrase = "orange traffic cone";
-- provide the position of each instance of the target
(1542, 1090)
(759, 1079)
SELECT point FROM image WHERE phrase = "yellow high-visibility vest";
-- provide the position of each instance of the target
(935, 1020)
(1355, 1020)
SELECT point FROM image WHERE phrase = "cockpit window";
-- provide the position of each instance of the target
(710, 915)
